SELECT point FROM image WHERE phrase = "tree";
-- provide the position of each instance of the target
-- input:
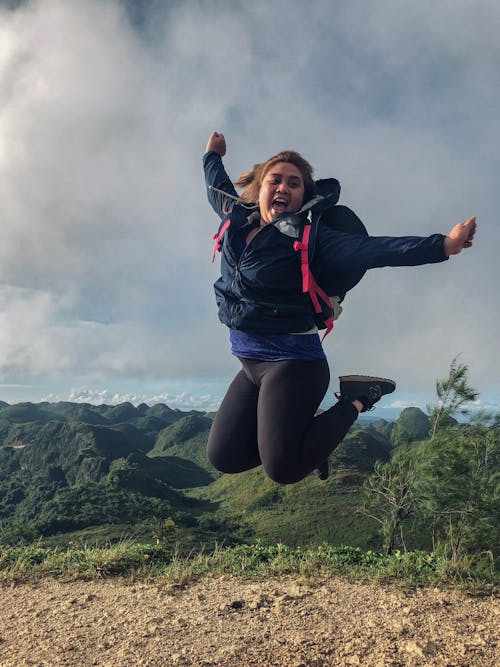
(391, 496)
(448, 484)
(453, 392)
(462, 487)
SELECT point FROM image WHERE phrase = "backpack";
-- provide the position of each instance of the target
(336, 284)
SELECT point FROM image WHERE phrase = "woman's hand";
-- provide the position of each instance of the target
(460, 237)
(217, 143)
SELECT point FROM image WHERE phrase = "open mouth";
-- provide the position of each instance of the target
(279, 205)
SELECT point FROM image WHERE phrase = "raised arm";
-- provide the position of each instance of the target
(216, 142)
(215, 174)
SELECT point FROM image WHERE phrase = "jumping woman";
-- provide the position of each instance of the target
(269, 414)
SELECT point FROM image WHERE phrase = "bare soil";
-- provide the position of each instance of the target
(286, 621)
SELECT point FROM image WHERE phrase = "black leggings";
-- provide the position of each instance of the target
(268, 417)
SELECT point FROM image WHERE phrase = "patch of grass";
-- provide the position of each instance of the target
(170, 568)
(31, 562)
(103, 535)
(183, 541)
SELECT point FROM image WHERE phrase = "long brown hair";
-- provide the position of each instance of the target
(251, 181)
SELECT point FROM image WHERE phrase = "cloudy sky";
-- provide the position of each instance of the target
(105, 233)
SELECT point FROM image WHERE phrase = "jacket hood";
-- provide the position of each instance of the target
(327, 195)
(328, 187)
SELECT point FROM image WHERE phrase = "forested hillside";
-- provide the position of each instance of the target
(79, 471)
(66, 467)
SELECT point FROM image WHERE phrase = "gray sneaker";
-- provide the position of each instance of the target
(364, 388)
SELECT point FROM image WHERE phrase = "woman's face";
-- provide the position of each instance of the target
(282, 191)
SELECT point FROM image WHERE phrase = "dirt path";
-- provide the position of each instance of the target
(281, 622)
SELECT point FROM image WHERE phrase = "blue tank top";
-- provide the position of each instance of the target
(276, 347)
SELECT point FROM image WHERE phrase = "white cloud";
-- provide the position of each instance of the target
(183, 401)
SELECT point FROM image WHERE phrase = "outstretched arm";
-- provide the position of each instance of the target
(460, 237)
(341, 252)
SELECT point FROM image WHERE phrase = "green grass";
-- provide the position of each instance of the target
(182, 540)
(167, 567)
(309, 512)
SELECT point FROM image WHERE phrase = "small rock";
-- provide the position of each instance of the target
(180, 621)
(258, 602)
(415, 648)
(431, 648)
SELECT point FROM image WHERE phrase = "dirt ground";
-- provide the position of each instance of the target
(285, 622)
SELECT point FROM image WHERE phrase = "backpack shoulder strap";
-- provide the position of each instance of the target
(309, 284)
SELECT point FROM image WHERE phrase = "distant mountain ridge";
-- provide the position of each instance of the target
(89, 412)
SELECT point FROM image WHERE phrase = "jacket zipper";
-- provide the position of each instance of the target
(238, 265)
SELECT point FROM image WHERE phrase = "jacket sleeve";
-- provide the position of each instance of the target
(340, 251)
(216, 176)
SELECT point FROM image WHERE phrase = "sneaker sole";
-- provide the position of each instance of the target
(367, 378)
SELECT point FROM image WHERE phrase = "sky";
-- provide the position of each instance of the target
(105, 232)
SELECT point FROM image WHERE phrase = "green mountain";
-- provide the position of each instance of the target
(412, 425)
(67, 467)
(186, 439)
(60, 473)
(360, 449)
(380, 428)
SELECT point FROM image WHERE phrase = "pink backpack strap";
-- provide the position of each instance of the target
(309, 284)
(218, 238)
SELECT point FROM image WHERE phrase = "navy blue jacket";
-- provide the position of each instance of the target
(262, 290)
